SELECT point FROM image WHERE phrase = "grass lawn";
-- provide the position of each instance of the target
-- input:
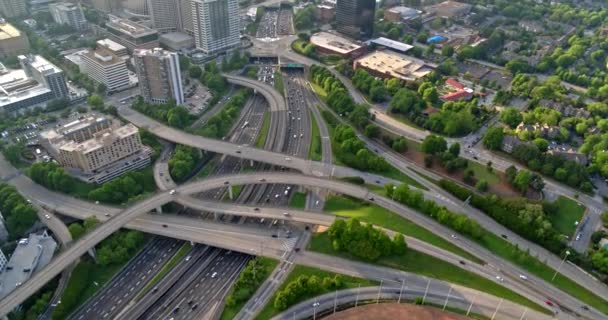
(507, 251)
(349, 282)
(278, 82)
(260, 141)
(352, 208)
(166, 268)
(268, 265)
(314, 153)
(481, 172)
(422, 264)
(394, 173)
(319, 91)
(298, 201)
(569, 211)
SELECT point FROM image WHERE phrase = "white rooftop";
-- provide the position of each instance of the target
(16, 86)
(399, 46)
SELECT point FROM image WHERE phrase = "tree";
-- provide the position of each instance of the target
(511, 117)
(447, 51)
(95, 101)
(399, 144)
(482, 185)
(455, 149)
(469, 176)
(493, 137)
(372, 130)
(399, 244)
(430, 95)
(517, 66)
(76, 230)
(541, 144)
(522, 180)
(195, 72)
(605, 218)
(434, 144)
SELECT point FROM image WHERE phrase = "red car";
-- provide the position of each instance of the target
(548, 302)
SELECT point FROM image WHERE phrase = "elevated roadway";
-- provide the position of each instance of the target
(129, 214)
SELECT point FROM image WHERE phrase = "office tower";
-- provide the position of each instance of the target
(12, 41)
(106, 6)
(164, 14)
(159, 75)
(69, 14)
(137, 8)
(46, 73)
(185, 16)
(103, 66)
(216, 25)
(131, 34)
(355, 18)
(13, 8)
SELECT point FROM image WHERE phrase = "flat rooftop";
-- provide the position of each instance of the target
(41, 64)
(395, 65)
(334, 42)
(386, 42)
(156, 52)
(31, 253)
(101, 139)
(16, 86)
(7, 31)
(111, 45)
(129, 27)
(104, 56)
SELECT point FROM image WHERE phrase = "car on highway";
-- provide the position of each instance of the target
(549, 303)
(214, 275)
(172, 192)
(195, 306)
(188, 258)
(521, 276)
(164, 225)
(285, 213)
(46, 216)
(499, 278)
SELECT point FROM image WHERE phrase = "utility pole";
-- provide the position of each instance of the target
(497, 307)
(470, 306)
(560, 265)
(401, 291)
(428, 284)
(447, 298)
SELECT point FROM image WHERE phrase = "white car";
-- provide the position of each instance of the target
(499, 278)
(46, 216)
(521, 276)
(172, 192)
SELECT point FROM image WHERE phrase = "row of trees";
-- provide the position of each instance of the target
(119, 247)
(352, 151)
(522, 216)
(436, 146)
(303, 287)
(183, 162)
(369, 85)
(220, 124)
(415, 199)
(364, 241)
(524, 179)
(249, 280)
(169, 113)
(19, 215)
(129, 185)
(78, 229)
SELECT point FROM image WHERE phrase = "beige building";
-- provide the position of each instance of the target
(389, 64)
(106, 147)
(12, 41)
(159, 75)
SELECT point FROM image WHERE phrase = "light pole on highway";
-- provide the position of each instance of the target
(335, 300)
(428, 284)
(497, 307)
(523, 314)
(401, 291)
(357, 298)
(560, 265)
(379, 290)
(314, 310)
(447, 298)
(471, 305)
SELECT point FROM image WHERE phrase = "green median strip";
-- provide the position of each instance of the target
(166, 268)
(260, 141)
(378, 216)
(298, 200)
(423, 264)
(314, 153)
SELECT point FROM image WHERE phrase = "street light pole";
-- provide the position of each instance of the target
(401, 291)
(560, 265)
(379, 289)
(357, 299)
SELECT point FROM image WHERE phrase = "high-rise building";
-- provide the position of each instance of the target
(116, 48)
(12, 41)
(68, 13)
(164, 14)
(216, 25)
(131, 34)
(106, 6)
(46, 73)
(185, 16)
(103, 66)
(13, 8)
(159, 75)
(137, 8)
(355, 18)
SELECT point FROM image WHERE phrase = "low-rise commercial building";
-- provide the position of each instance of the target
(69, 14)
(12, 41)
(46, 73)
(97, 149)
(330, 43)
(131, 34)
(392, 44)
(449, 9)
(30, 255)
(389, 64)
(103, 66)
(401, 14)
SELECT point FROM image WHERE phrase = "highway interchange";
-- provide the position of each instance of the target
(132, 217)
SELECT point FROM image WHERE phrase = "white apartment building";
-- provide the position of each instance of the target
(68, 13)
(106, 147)
(103, 66)
(159, 75)
(116, 48)
(216, 25)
